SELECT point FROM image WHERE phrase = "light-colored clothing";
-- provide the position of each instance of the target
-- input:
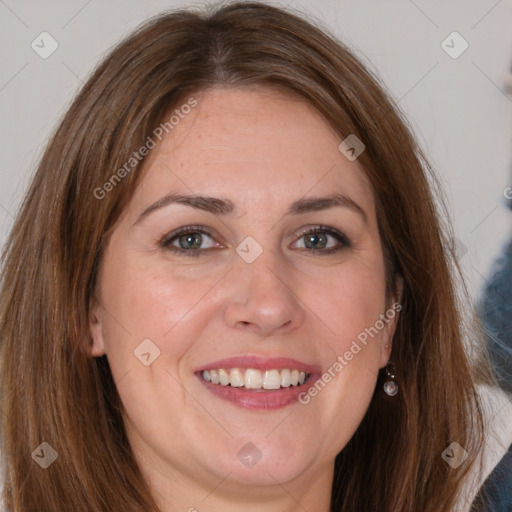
(497, 408)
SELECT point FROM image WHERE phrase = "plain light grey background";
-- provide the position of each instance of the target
(457, 103)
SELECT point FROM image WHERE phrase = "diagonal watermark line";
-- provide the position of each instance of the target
(486, 14)
(115, 319)
(424, 14)
(301, 300)
(118, 381)
(6, 211)
(83, 83)
(177, 177)
(74, 74)
(281, 422)
(419, 81)
(492, 81)
(14, 76)
(217, 486)
(498, 412)
(305, 195)
(286, 491)
(198, 301)
(199, 403)
(376, 375)
(487, 283)
(13, 13)
(490, 213)
(75, 15)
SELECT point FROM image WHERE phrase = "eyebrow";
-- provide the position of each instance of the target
(219, 206)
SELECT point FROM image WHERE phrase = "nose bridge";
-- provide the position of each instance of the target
(262, 296)
(264, 277)
(268, 279)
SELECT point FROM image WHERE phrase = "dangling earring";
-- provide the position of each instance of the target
(390, 386)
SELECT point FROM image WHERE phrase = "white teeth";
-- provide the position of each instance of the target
(214, 376)
(255, 379)
(271, 380)
(286, 378)
(223, 377)
(236, 378)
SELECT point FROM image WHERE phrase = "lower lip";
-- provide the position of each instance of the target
(259, 399)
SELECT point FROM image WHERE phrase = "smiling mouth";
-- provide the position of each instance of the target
(254, 379)
(258, 382)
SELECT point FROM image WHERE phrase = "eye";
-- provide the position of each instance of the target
(197, 240)
(189, 241)
(323, 240)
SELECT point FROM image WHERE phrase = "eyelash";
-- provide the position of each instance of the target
(344, 242)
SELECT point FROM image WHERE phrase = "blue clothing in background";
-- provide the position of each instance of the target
(495, 311)
(496, 314)
(496, 493)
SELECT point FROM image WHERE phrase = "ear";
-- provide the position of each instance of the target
(97, 346)
(390, 320)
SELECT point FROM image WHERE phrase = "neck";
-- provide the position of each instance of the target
(178, 490)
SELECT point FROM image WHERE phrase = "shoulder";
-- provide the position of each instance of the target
(496, 493)
(495, 459)
(498, 416)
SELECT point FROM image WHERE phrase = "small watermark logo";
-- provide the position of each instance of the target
(249, 250)
(351, 147)
(44, 45)
(458, 248)
(146, 352)
(45, 455)
(249, 455)
(454, 455)
(454, 45)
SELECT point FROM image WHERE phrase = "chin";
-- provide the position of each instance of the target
(261, 462)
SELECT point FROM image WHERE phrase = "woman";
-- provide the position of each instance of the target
(228, 287)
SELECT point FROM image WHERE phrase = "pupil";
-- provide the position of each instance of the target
(316, 241)
(190, 241)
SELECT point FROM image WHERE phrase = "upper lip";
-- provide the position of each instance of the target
(260, 363)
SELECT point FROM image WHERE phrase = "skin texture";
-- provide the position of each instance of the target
(262, 150)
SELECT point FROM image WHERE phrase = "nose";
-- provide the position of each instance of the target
(263, 301)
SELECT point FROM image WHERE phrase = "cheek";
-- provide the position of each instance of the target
(354, 348)
(149, 309)
(352, 301)
(153, 302)
(158, 304)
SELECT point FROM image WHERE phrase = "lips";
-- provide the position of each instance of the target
(259, 363)
(258, 382)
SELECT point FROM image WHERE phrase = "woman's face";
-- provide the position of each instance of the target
(266, 268)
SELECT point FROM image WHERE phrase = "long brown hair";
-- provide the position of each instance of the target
(52, 390)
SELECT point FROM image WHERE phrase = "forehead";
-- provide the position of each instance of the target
(252, 144)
